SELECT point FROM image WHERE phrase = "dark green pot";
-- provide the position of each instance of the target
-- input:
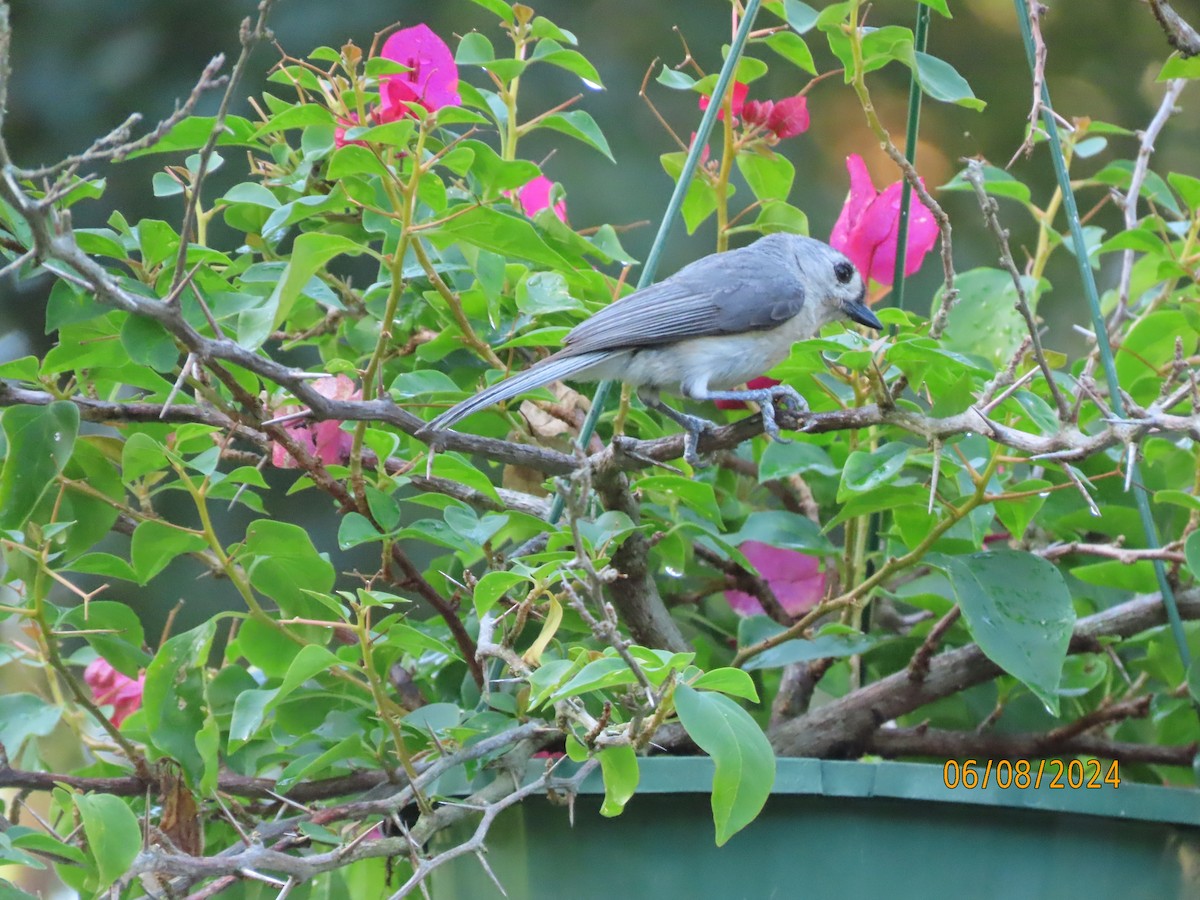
(843, 830)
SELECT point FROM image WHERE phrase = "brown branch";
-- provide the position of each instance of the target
(844, 727)
(635, 593)
(1180, 35)
(413, 579)
(895, 742)
(918, 666)
(228, 783)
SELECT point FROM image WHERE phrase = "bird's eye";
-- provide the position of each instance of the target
(844, 272)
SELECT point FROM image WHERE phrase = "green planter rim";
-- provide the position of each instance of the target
(922, 782)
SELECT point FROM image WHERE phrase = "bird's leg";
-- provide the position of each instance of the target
(766, 398)
(693, 426)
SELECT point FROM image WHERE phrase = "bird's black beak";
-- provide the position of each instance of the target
(861, 313)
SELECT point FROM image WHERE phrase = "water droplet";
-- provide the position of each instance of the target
(674, 573)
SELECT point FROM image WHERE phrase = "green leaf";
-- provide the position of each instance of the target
(605, 672)
(581, 126)
(310, 252)
(40, 441)
(355, 529)
(769, 175)
(619, 766)
(23, 716)
(550, 51)
(284, 565)
(1016, 514)
(113, 835)
(492, 586)
(174, 701)
(1019, 611)
(1186, 186)
(490, 229)
(744, 761)
(496, 173)
(192, 134)
(1138, 576)
(311, 660)
(423, 383)
(155, 544)
(675, 80)
(1179, 66)
(797, 458)
(728, 680)
(865, 470)
(996, 182)
(299, 116)
(832, 642)
(675, 490)
(793, 48)
(114, 630)
(938, 6)
(1191, 552)
(800, 16)
(499, 8)
(474, 49)
(68, 304)
(986, 323)
(781, 528)
(941, 81)
(141, 455)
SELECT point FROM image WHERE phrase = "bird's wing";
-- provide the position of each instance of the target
(728, 293)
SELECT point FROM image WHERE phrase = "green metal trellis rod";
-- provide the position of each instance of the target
(668, 219)
(1115, 399)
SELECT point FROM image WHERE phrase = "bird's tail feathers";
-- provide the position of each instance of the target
(551, 369)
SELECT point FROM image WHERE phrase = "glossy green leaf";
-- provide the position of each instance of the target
(727, 680)
(40, 440)
(580, 125)
(490, 229)
(619, 766)
(941, 81)
(1191, 552)
(744, 761)
(792, 47)
(769, 175)
(310, 252)
(23, 716)
(1019, 611)
(491, 587)
(284, 565)
(174, 701)
(865, 470)
(156, 543)
(830, 643)
(114, 836)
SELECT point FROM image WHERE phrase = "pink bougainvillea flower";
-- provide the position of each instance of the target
(535, 196)
(324, 440)
(762, 381)
(783, 118)
(432, 78)
(796, 579)
(111, 688)
(867, 229)
(737, 100)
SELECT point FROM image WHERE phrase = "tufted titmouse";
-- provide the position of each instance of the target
(711, 326)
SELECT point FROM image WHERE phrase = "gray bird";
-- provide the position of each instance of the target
(713, 325)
